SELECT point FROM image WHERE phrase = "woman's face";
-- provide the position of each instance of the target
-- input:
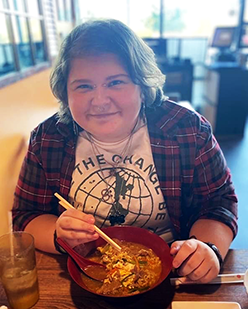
(102, 98)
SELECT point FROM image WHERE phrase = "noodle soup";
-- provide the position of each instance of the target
(133, 270)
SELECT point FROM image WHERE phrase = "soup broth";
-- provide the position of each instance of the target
(133, 270)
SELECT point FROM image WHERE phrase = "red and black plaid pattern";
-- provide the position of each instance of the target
(191, 169)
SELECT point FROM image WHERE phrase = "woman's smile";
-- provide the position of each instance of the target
(104, 115)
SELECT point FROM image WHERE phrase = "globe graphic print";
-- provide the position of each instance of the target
(115, 196)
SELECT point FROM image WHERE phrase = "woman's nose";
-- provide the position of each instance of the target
(100, 99)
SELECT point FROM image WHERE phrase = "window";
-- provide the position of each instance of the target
(244, 34)
(64, 10)
(246, 12)
(101, 9)
(68, 10)
(4, 5)
(181, 18)
(196, 18)
(22, 43)
(77, 11)
(37, 38)
(33, 7)
(7, 64)
(60, 9)
(17, 5)
(145, 21)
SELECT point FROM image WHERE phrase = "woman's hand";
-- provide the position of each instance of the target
(195, 260)
(75, 227)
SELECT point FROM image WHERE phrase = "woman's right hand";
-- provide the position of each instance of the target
(76, 227)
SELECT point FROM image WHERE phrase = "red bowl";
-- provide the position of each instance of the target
(127, 233)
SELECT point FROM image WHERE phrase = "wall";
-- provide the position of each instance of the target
(23, 105)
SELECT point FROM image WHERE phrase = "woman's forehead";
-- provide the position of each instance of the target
(97, 62)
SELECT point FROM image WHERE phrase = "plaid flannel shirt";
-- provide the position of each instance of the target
(192, 172)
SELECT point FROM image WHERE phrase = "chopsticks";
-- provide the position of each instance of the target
(67, 205)
(220, 279)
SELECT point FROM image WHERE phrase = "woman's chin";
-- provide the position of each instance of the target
(109, 136)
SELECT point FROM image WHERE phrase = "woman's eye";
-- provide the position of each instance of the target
(85, 87)
(115, 82)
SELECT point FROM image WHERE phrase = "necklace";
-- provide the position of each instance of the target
(116, 159)
(117, 212)
(114, 164)
(95, 145)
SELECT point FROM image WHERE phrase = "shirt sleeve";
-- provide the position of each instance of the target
(32, 195)
(213, 192)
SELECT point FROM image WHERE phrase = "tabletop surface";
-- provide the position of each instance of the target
(57, 290)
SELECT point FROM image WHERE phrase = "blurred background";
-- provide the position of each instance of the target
(201, 46)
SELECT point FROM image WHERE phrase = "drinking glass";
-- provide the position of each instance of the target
(18, 269)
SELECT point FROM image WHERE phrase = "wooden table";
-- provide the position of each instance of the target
(57, 290)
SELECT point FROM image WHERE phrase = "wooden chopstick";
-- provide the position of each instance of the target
(223, 278)
(67, 205)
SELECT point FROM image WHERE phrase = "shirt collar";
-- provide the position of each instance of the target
(162, 118)
(65, 129)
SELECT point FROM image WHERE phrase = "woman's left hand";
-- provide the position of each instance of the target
(195, 260)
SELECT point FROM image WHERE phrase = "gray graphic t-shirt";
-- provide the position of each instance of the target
(118, 184)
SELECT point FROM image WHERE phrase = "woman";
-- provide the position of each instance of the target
(123, 154)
